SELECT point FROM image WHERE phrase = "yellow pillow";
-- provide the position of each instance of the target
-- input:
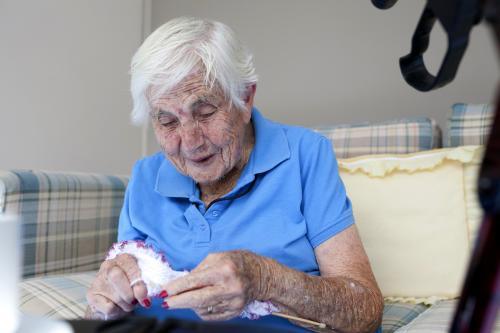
(417, 215)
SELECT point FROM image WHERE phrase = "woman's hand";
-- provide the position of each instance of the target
(116, 289)
(219, 288)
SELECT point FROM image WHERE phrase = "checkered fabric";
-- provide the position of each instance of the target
(56, 296)
(437, 319)
(469, 124)
(63, 296)
(69, 220)
(402, 136)
(397, 315)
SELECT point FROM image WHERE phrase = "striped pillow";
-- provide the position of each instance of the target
(69, 220)
(401, 136)
(469, 124)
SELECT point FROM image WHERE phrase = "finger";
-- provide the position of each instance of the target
(100, 304)
(226, 315)
(194, 299)
(128, 264)
(141, 293)
(189, 282)
(121, 285)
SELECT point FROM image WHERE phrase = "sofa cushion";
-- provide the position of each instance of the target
(63, 297)
(69, 220)
(401, 136)
(57, 296)
(469, 124)
(411, 212)
(437, 319)
(397, 314)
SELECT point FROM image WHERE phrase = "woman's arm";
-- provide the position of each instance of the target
(345, 297)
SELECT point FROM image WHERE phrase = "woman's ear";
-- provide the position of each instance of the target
(249, 95)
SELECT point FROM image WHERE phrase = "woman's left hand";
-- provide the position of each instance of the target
(219, 287)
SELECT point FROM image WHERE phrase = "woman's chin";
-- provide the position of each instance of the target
(205, 178)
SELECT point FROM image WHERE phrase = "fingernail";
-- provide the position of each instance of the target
(164, 294)
(134, 302)
(146, 302)
(164, 305)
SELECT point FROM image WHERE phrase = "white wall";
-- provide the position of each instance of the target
(64, 84)
(336, 61)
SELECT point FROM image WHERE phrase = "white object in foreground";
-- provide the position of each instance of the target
(10, 261)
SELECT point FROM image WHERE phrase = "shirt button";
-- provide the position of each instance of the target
(203, 226)
(215, 213)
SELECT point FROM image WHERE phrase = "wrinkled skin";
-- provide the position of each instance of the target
(111, 295)
(345, 297)
(205, 138)
(210, 141)
(203, 135)
(223, 281)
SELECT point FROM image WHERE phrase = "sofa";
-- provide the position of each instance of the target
(69, 220)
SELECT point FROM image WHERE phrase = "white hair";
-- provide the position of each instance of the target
(182, 45)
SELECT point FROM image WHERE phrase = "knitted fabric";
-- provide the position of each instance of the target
(156, 272)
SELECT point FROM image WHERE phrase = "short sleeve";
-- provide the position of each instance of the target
(325, 205)
(126, 231)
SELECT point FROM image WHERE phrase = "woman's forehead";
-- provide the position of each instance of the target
(188, 90)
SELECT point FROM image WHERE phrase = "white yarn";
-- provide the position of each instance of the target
(154, 267)
(156, 272)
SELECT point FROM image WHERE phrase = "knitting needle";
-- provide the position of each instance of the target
(306, 321)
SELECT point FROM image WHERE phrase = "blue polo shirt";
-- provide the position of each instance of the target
(288, 200)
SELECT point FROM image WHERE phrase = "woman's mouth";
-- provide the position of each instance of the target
(202, 160)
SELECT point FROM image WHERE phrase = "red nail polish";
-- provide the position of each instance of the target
(164, 305)
(146, 302)
(134, 302)
(164, 294)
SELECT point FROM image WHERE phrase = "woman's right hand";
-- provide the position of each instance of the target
(117, 289)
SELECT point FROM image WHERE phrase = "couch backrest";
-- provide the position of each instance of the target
(402, 136)
(69, 220)
(469, 124)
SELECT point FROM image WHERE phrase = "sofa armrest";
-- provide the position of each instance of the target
(69, 220)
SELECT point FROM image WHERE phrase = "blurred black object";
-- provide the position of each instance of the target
(131, 324)
(137, 324)
(384, 4)
(185, 326)
(457, 18)
(480, 298)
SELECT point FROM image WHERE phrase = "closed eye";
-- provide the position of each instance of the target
(205, 111)
(167, 122)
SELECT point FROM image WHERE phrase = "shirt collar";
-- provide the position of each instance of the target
(270, 149)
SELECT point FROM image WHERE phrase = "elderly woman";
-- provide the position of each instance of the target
(254, 209)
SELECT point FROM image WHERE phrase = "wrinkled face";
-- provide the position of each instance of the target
(198, 131)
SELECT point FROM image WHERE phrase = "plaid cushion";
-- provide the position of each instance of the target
(57, 296)
(69, 220)
(402, 136)
(63, 296)
(397, 315)
(437, 319)
(469, 124)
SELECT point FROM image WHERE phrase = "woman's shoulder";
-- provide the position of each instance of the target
(147, 167)
(304, 139)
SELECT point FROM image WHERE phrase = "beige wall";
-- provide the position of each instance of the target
(336, 61)
(64, 84)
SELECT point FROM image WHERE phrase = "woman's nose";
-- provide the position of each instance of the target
(191, 136)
